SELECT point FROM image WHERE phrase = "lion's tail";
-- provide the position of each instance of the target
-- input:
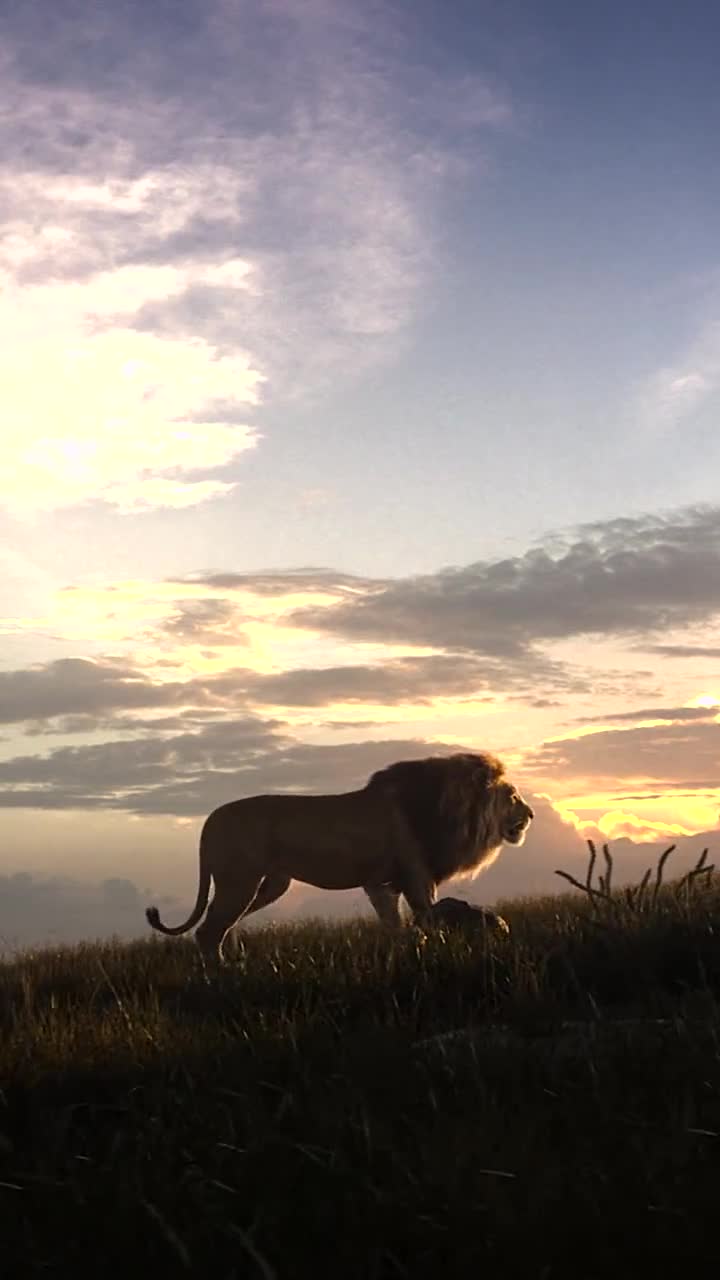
(153, 915)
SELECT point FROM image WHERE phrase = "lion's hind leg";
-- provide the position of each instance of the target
(272, 887)
(230, 904)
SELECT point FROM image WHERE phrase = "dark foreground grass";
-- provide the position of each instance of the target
(302, 1114)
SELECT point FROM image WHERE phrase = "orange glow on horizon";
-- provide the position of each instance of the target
(657, 818)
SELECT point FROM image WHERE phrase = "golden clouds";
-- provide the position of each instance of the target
(642, 819)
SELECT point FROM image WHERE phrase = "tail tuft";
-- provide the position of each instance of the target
(152, 915)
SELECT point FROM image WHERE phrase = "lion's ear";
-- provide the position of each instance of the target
(495, 770)
(486, 769)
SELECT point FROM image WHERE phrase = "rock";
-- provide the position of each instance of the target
(455, 913)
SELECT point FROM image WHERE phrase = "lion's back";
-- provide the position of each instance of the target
(273, 821)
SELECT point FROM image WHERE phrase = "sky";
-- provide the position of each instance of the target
(360, 368)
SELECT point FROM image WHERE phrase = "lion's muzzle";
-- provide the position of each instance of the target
(517, 829)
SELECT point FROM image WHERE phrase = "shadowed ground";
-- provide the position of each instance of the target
(307, 1110)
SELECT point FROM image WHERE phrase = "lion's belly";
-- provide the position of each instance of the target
(330, 866)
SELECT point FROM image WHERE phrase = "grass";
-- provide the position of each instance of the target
(306, 1112)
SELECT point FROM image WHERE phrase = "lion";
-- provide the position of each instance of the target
(412, 826)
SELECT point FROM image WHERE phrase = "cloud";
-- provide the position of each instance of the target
(664, 757)
(683, 650)
(209, 621)
(399, 680)
(88, 690)
(241, 200)
(47, 910)
(493, 625)
(617, 824)
(117, 415)
(671, 714)
(677, 392)
(219, 727)
(300, 580)
(188, 773)
(623, 578)
(77, 687)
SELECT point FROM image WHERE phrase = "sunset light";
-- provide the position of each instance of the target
(359, 639)
(359, 404)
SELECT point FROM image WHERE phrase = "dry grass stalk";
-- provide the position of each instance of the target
(635, 897)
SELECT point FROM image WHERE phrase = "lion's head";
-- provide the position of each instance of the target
(513, 814)
(460, 808)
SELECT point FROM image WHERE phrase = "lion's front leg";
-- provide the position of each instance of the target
(419, 892)
(386, 903)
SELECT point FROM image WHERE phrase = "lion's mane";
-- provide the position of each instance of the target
(450, 805)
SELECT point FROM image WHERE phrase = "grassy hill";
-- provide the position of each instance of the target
(308, 1111)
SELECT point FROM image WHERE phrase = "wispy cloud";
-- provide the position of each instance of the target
(682, 650)
(250, 209)
(676, 392)
(670, 715)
